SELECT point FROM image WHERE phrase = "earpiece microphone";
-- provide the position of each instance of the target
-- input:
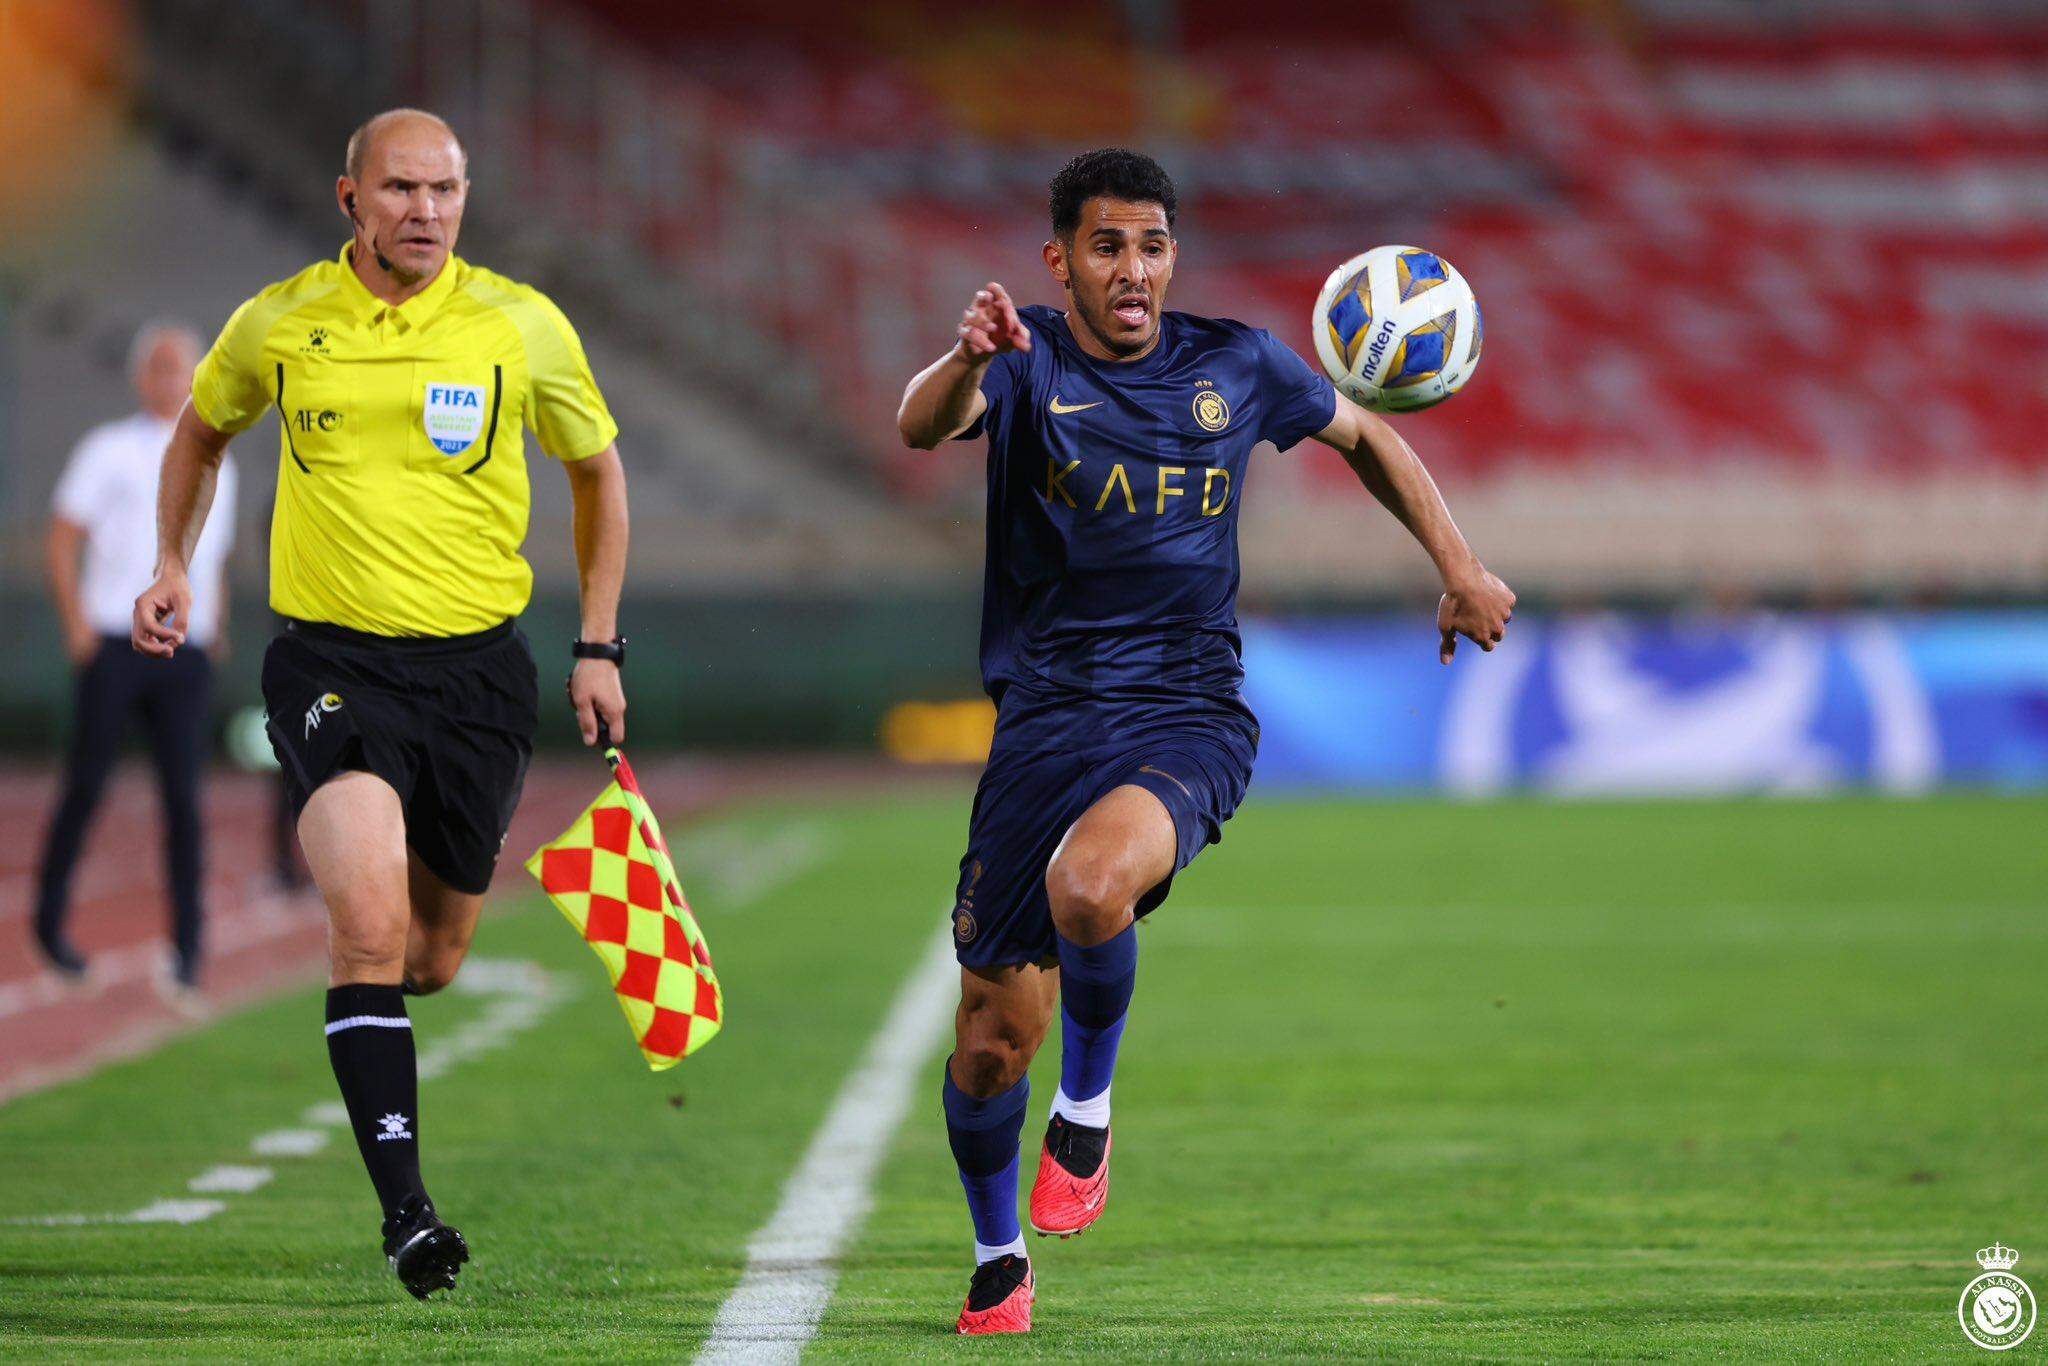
(356, 219)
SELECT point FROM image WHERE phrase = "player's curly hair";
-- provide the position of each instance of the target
(1110, 172)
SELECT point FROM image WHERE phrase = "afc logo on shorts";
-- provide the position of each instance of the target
(329, 702)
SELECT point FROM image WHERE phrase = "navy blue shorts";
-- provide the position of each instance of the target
(1029, 799)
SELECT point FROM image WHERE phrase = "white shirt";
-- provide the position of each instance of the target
(109, 488)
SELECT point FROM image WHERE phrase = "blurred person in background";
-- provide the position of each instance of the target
(401, 695)
(101, 552)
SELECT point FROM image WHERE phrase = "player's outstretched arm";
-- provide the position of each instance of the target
(945, 398)
(184, 496)
(1475, 604)
(597, 488)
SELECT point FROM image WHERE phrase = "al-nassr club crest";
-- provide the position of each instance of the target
(1997, 1309)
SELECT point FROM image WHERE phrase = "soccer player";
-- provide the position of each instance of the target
(1119, 441)
(401, 695)
(105, 507)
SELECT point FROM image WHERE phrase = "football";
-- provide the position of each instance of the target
(1397, 329)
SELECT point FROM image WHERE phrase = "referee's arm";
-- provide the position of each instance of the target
(184, 495)
(597, 485)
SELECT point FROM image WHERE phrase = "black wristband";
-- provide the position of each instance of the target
(614, 650)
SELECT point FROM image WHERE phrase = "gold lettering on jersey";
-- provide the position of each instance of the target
(1166, 488)
(1116, 477)
(1062, 483)
(1056, 480)
(1209, 478)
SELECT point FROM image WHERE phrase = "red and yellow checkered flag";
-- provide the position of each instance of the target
(610, 874)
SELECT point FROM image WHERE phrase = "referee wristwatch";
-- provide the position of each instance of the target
(614, 650)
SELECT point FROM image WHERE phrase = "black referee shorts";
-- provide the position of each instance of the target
(448, 721)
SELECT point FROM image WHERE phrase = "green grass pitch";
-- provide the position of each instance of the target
(1412, 1081)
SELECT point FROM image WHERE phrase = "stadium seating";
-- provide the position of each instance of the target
(1723, 248)
(1810, 235)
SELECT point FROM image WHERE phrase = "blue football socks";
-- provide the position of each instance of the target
(1095, 997)
(984, 1134)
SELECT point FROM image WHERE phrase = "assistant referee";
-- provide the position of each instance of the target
(401, 695)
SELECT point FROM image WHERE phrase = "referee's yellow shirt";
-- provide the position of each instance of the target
(402, 494)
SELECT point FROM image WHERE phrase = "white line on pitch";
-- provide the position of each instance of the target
(792, 1261)
(289, 1143)
(523, 993)
(230, 1179)
(161, 1212)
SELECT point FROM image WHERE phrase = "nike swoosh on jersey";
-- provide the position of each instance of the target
(1060, 407)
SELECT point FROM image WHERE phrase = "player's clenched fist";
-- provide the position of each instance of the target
(1478, 609)
(990, 326)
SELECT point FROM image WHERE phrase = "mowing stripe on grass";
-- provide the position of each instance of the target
(792, 1261)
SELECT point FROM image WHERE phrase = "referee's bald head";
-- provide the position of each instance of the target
(361, 142)
(403, 189)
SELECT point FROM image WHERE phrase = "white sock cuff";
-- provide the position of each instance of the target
(1092, 1113)
(366, 1021)
(984, 1253)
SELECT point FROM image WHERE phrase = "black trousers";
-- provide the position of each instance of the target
(172, 697)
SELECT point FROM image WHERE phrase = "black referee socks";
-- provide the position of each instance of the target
(369, 1041)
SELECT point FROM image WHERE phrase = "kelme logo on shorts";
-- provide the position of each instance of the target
(453, 416)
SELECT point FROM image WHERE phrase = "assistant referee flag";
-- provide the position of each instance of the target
(610, 874)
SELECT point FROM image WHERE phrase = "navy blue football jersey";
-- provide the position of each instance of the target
(1110, 598)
